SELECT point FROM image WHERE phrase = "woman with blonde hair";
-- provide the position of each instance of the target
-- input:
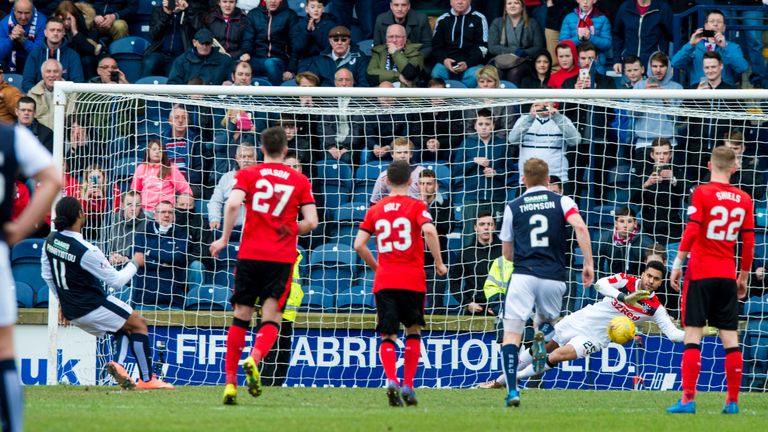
(512, 39)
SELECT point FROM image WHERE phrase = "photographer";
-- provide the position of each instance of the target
(108, 73)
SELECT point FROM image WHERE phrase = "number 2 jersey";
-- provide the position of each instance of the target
(274, 193)
(396, 222)
(718, 214)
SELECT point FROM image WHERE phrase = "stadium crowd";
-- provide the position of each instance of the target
(631, 171)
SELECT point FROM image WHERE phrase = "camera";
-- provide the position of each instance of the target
(114, 76)
(708, 33)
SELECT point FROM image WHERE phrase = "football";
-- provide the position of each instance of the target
(621, 330)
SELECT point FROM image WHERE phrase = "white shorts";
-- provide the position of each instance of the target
(584, 341)
(108, 318)
(525, 292)
(8, 313)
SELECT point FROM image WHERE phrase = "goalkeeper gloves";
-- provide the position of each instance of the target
(634, 298)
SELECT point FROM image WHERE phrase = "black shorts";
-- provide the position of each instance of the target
(260, 280)
(395, 306)
(712, 302)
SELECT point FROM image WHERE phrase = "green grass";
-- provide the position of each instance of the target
(72, 408)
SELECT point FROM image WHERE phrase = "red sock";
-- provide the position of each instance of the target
(412, 354)
(265, 338)
(733, 366)
(691, 366)
(388, 355)
(235, 345)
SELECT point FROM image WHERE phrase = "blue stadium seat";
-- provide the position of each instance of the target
(317, 299)
(332, 266)
(14, 79)
(345, 221)
(366, 46)
(335, 181)
(289, 83)
(507, 84)
(225, 277)
(41, 296)
(449, 83)
(129, 53)
(208, 297)
(366, 175)
(139, 25)
(261, 81)
(601, 216)
(25, 262)
(153, 79)
(619, 176)
(195, 276)
(671, 254)
(304, 265)
(755, 351)
(25, 295)
(358, 299)
(298, 7)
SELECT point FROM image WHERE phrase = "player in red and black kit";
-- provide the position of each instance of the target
(719, 213)
(400, 285)
(274, 194)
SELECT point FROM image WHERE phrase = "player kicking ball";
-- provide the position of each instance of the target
(719, 214)
(74, 270)
(400, 286)
(584, 332)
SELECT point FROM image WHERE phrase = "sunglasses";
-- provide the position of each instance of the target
(340, 38)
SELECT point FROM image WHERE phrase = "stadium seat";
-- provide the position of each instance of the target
(366, 46)
(41, 296)
(449, 83)
(208, 297)
(601, 216)
(139, 25)
(507, 84)
(358, 299)
(225, 277)
(619, 176)
(25, 295)
(335, 183)
(261, 81)
(317, 299)
(25, 262)
(289, 83)
(123, 170)
(366, 175)
(332, 265)
(14, 79)
(443, 174)
(671, 254)
(153, 79)
(304, 265)
(755, 351)
(195, 276)
(129, 53)
(298, 7)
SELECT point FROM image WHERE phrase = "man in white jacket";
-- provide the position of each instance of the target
(245, 157)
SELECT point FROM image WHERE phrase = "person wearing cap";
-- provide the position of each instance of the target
(9, 95)
(170, 33)
(267, 41)
(20, 33)
(201, 61)
(341, 55)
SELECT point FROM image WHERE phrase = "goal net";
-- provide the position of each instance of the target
(629, 158)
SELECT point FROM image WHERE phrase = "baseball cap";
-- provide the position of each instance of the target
(204, 36)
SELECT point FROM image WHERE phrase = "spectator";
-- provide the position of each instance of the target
(642, 27)
(129, 223)
(481, 168)
(308, 124)
(267, 41)
(381, 129)
(343, 133)
(191, 221)
(545, 134)
(81, 35)
(20, 33)
(620, 250)
(439, 206)
(504, 116)
(227, 24)
(402, 150)
(25, 113)
(473, 264)
(185, 150)
(113, 16)
(690, 56)
(161, 283)
(95, 197)
(416, 26)
(297, 145)
(753, 39)
(170, 33)
(42, 92)
(566, 59)
(242, 75)
(55, 47)
(749, 175)
(312, 31)
(397, 61)
(157, 178)
(633, 71)
(340, 55)
(9, 97)
(245, 157)
(587, 23)
(556, 12)
(439, 130)
(623, 122)
(514, 38)
(108, 72)
(20, 199)
(659, 192)
(460, 43)
(667, 296)
(202, 62)
(238, 130)
(542, 70)
(363, 11)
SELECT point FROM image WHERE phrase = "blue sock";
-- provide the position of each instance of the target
(12, 400)
(143, 355)
(509, 361)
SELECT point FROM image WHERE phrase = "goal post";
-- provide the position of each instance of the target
(603, 156)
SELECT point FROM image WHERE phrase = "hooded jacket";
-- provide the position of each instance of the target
(213, 69)
(649, 126)
(269, 34)
(557, 79)
(13, 54)
(71, 68)
(461, 37)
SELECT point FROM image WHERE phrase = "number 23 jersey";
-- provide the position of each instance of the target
(396, 222)
(274, 193)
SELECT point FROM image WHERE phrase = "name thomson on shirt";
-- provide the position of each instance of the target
(537, 206)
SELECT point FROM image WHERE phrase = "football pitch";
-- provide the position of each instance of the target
(74, 408)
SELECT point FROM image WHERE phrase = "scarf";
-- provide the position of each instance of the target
(618, 241)
(585, 20)
(30, 35)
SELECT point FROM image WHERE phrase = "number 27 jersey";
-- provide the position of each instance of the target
(274, 193)
(396, 222)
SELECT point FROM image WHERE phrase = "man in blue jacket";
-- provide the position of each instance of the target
(641, 28)
(341, 56)
(55, 47)
(267, 41)
(201, 61)
(163, 246)
(20, 33)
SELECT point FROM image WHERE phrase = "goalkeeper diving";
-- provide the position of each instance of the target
(585, 331)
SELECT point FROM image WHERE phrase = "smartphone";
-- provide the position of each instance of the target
(653, 80)
(244, 122)
(171, 5)
(114, 76)
(657, 169)
(708, 33)
(95, 179)
(583, 74)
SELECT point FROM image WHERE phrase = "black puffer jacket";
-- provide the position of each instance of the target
(230, 33)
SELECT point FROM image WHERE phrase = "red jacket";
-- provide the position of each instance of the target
(558, 78)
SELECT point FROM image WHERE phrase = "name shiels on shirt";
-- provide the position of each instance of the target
(60, 249)
(726, 195)
(536, 202)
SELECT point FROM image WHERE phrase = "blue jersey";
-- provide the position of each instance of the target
(535, 224)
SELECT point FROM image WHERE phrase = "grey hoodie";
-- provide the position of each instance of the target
(649, 126)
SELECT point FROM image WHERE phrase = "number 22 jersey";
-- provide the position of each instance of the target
(396, 222)
(274, 193)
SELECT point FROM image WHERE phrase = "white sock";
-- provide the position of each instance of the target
(529, 372)
(524, 359)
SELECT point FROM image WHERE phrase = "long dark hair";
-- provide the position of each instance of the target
(165, 164)
(67, 212)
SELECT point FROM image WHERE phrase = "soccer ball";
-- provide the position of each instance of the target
(621, 330)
